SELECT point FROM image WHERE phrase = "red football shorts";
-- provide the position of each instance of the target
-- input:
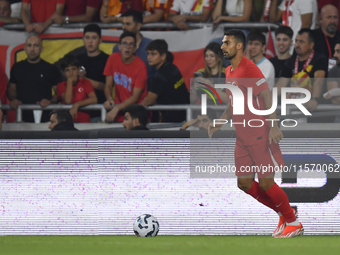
(262, 158)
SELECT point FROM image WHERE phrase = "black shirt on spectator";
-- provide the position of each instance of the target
(168, 84)
(94, 67)
(278, 65)
(33, 83)
(320, 44)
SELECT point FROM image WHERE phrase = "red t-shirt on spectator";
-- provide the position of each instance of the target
(132, 5)
(126, 77)
(78, 7)
(41, 10)
(80, 92)
(3, 84)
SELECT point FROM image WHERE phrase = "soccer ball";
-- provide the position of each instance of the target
(146, 225)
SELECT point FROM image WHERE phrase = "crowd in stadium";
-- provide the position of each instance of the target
(140, 71)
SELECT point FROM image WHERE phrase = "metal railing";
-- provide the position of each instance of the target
(187, 108)
(162, 25)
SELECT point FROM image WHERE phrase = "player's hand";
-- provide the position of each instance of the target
(111, 115)
(275, 135)
(108, 104)
(59, 19)
(29, 28)
(38, 28)
(311, 105)
(15, 103)
(45, 102)
(212, 129)
(74, 110)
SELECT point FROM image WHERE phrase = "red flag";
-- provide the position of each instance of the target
(270, 52)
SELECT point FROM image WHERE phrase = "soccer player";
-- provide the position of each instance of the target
(256, 145)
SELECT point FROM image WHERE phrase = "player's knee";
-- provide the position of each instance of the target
(266, 184)
(244, 184)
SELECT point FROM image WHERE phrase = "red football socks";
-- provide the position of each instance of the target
(260, 195)
(280, 199)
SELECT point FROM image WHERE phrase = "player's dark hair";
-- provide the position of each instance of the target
(62, 115)
(216, 48)
(159, 45)
(238, 35)
(126, 34)
(256, 36)
(138, 112)
(93, 28)
(69, 60)
(309, 32)
(284, 30)
(136, 15)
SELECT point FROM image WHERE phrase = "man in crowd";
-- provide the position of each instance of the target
(135, 117)
(296, 14)
(32, 79)
(94, 61)
(79, 11)
(132, 22)
(41, 13)
(327, 35)
(128, 74)
(167, 86)
(5, 12)
(192, 11)
(283, 41)
(61, 120)
(256, 45)
(333, 81)
(307, 64)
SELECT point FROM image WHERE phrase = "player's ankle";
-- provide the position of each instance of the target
(294, 223)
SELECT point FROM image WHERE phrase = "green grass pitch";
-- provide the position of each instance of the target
(197, 245)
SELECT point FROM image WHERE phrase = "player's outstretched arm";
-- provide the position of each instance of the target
(275, 133)
(214, 127)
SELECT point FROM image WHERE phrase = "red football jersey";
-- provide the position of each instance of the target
(246, 75)
(80, 92)
(126, 77)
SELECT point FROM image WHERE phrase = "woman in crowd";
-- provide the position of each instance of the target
(214, 69)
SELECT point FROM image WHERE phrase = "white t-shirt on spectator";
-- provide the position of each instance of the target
(191, 7)
(293, 9)
(268, 71)
(234, 7)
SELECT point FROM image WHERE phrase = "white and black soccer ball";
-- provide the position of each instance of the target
(146, 225)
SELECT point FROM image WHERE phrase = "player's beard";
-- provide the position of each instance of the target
(229, 56)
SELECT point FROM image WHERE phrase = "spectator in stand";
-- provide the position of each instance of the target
(307, 63)
(128, 74)
(333, 81)
(61, 120)
(202, 121)
(168, 86)
(1, 115)
(112, 10)
(283, 42)
(336, 3)
(326, 36)
(256, 46)
(296, 14)
(31, 80)
(42, 13)
(75, 90)
(191, 10)
(135, 117)
(5, 12)
(79, 11)
(232, 11)
(94, 61)
(132, 22)
(155, 10)
(214, 69)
